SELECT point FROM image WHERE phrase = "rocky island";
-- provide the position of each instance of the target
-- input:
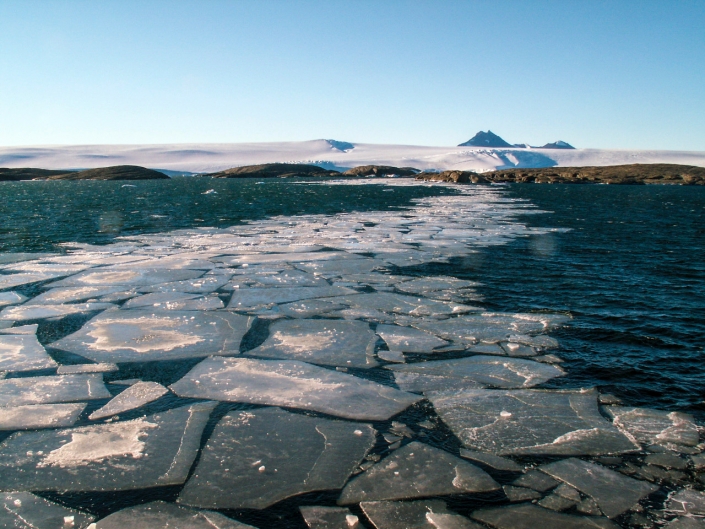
(117, 172)
(274, 170)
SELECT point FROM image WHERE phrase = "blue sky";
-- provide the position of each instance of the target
(612, 74)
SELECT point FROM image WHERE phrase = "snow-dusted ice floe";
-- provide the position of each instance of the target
(292, 384)
(251, 298)
(37, 416)
(174, 301)
(24, 510)
(120, 276)
(23, 353)
(147, 452)
(133, 397)
(51, 389)
(38, 312)
(408, 339)
(11, 298)
(259, 457)
(655, 426)
(421, 514)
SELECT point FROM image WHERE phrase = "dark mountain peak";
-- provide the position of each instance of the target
(558, 145)
(485, 139)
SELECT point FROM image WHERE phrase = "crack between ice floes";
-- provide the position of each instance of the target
(325, 445)
(181, 445)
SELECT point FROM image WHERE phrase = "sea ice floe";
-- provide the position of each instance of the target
(687, 501)
(24, 510)
(135, 396)
(491, 460)
(528, 516)
(51, 389)
(473, 372)
(251, 298)
(530, 422)
(11, 298)
(427, 285)
(408, 339)
(324, 342)
(289, 257)
(285, 278)
(50, 268)
(126, 277)
(329, 518)
(202, 285)
(23, 352)
(144, 335)
(151, 451)
(341, 268)
(16, 257)
(257, 458)
(401, 304)
(655, 426)
(308, 308)
(175, 301)
(75, 369)
(39, 312)
(416, 470)
(421, 514)
(535, 480)
(20, 329)
(59, 295)
(36, 416)
(613, 492)
(17, 280)
(159, 514)
(292, 384)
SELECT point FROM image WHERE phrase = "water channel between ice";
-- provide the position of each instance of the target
(288, 372)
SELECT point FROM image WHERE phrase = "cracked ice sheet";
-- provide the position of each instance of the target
(655, 426)
(17, 280)
(408, 339)
(491, 327)
(38, 416)
(251, 298)
(160, 514)
(324, 342)
(144, 335)
(294, 385)
(257, 458)
(24, 510)
(133, 397)
(527, 516)
(530, 422)
(175, 301)
(424, 514)
(46, 390)
(38, 312)
(151, 451)
(23, 352)
(473, 372)
(126, 277)
(613, 492)
(59, 296)
(414, 471)
(11, 298)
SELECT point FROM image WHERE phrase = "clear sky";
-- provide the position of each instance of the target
(603, 74)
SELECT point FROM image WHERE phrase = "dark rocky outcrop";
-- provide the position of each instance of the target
(26, 173)
(557, 145)
(657, 173)
(116, 172)
(381, 170)
(274, 170)
(485, 139)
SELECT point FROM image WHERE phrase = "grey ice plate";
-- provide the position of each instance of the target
(135, 396)
(408, 339)
(613, 492)
(424, 514)
(11, 298)
(174, 301)
(126, 277)
(687, 502)
(46, 390)
(285, 278)
(151, 451)
(416, 470)
(325, 342)
(655, 426)
(144, 335)
(530, 422)
(202, 285)
(75, 369)
(160, 514)
(58, 296)
(24, 510)
(527, 516)
(37, 312)
(292, 384)
(249, 298)
(35, 416)
(257, 458)
(20, 352)
(491, 460)
(473, 372)
(390, 302)
(329, 518)
(16, 280)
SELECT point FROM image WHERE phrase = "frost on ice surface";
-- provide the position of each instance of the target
(46, 390)
(530, 422)
(159, 514)
(423, 514)
(11, 298)
(408, 339)
(174, 301)
(36, 416)
(147, 452)
(37, 312)
(24, 510)
(21, 352)
(126, 277)
(325, 342)
(257, 458)
(133, 397)
(473, 372)
(527, 516)
(329, 518)
(414, 471)
(613, 492)
(250, 298)
(143, 335)
(655, 426)
(292, 384)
